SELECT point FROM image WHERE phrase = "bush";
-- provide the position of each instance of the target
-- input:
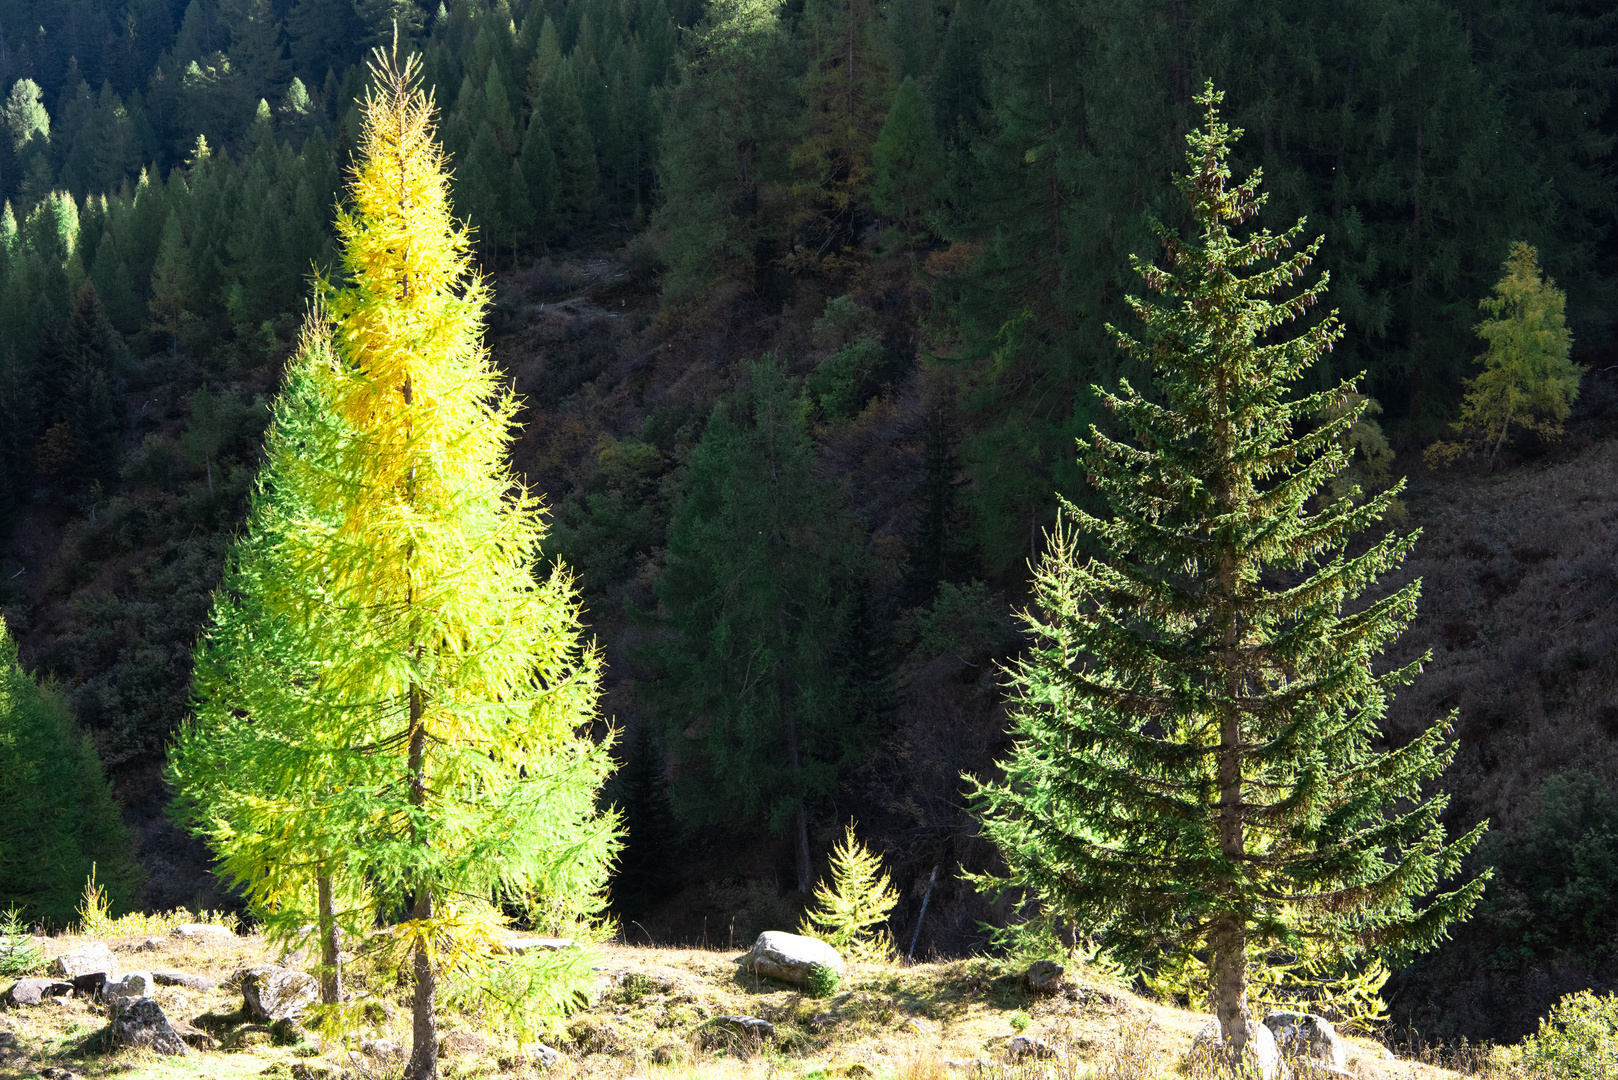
(1577, 1041)
(822, 981)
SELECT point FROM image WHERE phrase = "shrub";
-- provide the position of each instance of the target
(1577, 1041)
(822, 981)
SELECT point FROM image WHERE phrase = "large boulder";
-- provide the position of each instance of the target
(273, 993)
(140, 1022)
(789, 957)
(34, 991)
(1307, 1036)
(1210, 1043)
(92, 959)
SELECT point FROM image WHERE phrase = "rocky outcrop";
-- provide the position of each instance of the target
(788, 957)
(140, 1022)
(274, 993)
(1210, 1043)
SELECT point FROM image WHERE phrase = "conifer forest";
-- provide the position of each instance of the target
(1143, 468)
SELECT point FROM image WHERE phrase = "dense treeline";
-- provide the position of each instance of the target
(922, 210)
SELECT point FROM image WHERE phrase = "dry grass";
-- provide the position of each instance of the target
(656, 1019)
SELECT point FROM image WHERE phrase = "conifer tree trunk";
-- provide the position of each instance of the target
(331, 980)
(424, 1019)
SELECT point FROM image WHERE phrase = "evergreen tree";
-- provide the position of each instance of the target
(448, 685)
(846, 88)
(907, 162)
(575, 153)
(1196, 768)
(544, 181)
(64, 821)
(758, 583)
(722, 161)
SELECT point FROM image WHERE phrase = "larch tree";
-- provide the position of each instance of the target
(1527, 378)
(446, 684)
(1196, 768)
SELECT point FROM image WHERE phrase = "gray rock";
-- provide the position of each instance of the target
(545, 1057)
(272, 993)
(1210, 1042)
(1305, 1035)
(747, 1025)
(1024, 1047)
(183, 978)
(1044, 977)
(34, 991)
(789, 957)
(140, 1022)
(382, 1049)
(91, 959)
(134, 984)
(202, 932)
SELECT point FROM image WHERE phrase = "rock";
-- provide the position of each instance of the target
(523, 943)
(747, 1025)
(59, 1074)
(1305, 1035)
(90, 985)
(151, 944)
(8, 1040)
(1044, 977)
(544, 1057)
(1023, 1047)
(202, 932)
(1260, 1045)
(140, 1022)
(383, 1049)
(195, 1038)
(90, 959)
(789, 957)
(133, 984)
(668, 1053)
(272, 993)
(34, 991)
(184, 978)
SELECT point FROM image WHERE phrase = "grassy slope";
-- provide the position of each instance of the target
(654, 1019)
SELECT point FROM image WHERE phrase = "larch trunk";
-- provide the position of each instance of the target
(331, 978)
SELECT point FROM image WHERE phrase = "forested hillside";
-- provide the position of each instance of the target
(805, 302)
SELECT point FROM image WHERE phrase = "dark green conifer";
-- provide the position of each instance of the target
(1196, 768)
(758, 586)
(907, 161)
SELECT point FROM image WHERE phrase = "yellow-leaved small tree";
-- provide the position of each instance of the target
(849, 913)
(1527, 378)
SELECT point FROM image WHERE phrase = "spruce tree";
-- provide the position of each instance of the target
(759, 585)
(445, 682)
(907, 161)
(1196, 768)
(62, 819)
